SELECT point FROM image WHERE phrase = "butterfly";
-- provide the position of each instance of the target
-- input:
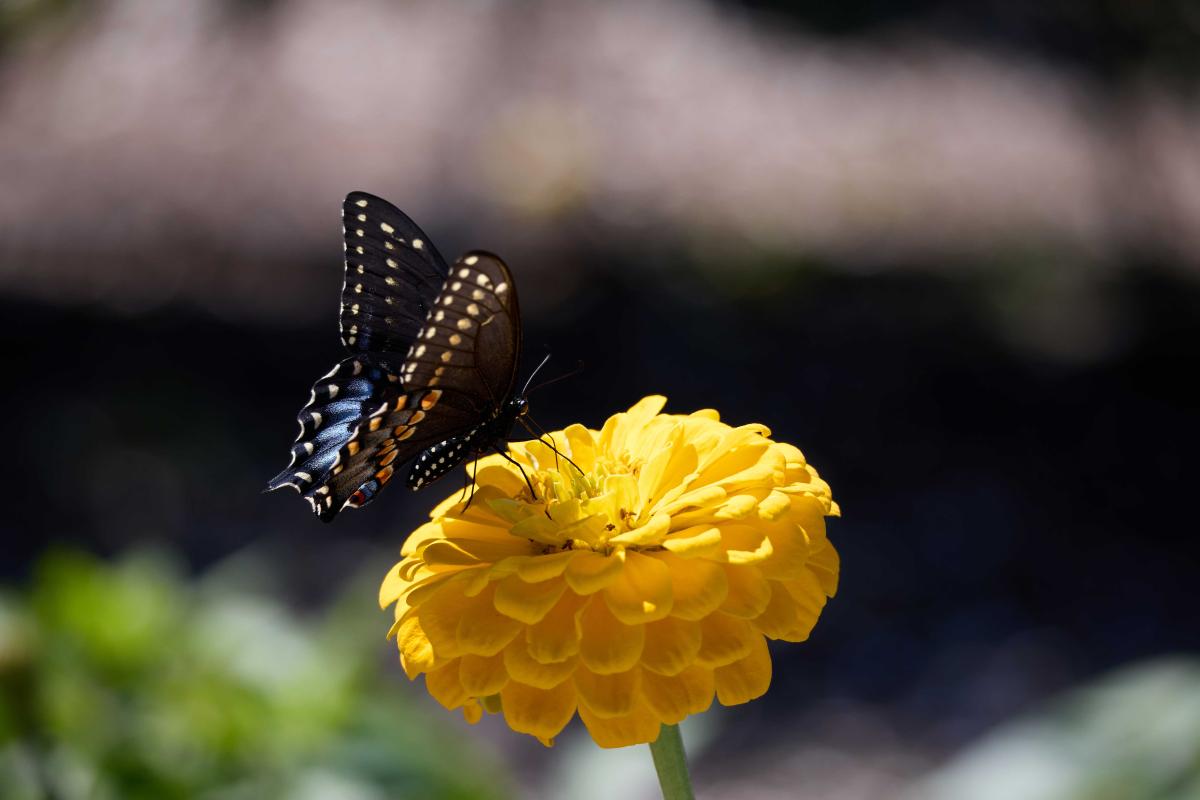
(430, 371)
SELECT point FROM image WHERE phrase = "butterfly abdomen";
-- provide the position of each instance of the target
(442, 457)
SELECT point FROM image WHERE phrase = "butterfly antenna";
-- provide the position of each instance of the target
(578, 369)
(534, 374)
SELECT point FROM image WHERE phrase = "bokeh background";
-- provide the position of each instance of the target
(950, 249)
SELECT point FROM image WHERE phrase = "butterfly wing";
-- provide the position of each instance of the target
(470, 342)
(362, 419)
(359, 420)
(393, 276)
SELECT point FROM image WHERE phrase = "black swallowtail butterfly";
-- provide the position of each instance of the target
(431, 371)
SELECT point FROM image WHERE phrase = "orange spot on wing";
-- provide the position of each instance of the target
(430, 398)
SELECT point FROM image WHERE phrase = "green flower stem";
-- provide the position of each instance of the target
(671, 764)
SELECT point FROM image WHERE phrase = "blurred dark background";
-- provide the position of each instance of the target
(950, 250)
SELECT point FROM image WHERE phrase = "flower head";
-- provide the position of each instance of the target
(643, 577)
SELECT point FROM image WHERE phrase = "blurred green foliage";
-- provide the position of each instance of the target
(1132, 735)
(128, 681)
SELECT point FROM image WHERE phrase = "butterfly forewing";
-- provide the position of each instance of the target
(393, 275)
(469, 345)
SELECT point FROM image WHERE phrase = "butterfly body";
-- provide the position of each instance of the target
(431, 370)
(444, 456)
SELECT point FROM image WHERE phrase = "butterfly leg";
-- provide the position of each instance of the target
(468, 479)
(539, 433)
(473, 485)
(504, 454)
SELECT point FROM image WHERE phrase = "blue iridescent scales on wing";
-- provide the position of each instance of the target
(431, 367)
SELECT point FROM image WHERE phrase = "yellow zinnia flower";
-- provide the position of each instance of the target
(631, 590)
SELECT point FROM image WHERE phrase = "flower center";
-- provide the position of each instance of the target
(581, 510)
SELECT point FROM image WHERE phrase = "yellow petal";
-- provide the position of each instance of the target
(469, 552)
(482, 630)
(810, 599)
(527, 602)
(540, 712)
(456, 581)
(444, 686)
(556, 637)
(671, 645)
(699, 497)
(740, 449)
(590, 572)
(416, 653)
(443, 553)
(698, 587)
(642, 592)
(524, 668)
(621, 496)
(774, 506)
(472, 711)
(617, 428)
(768, 470)
(439, 617)
(675, 697)
(745, 544)
(696, 542)
(607, 645)
(503, 476)
(582, 446)
(481, 526)
(667, 466)
(483, 675)
(427, 532)
(748, 594)
(826, 564)
(744, 680)
(676, 478)
(724, 639)
(544, 567)
(651, 533)
(608, 695)
(639, 727)
(540, 529)
(392, 587)
(779, 618)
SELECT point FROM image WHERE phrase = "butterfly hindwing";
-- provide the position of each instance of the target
(359, 421)
(393, 275)
(400, 427)
(336, 404)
